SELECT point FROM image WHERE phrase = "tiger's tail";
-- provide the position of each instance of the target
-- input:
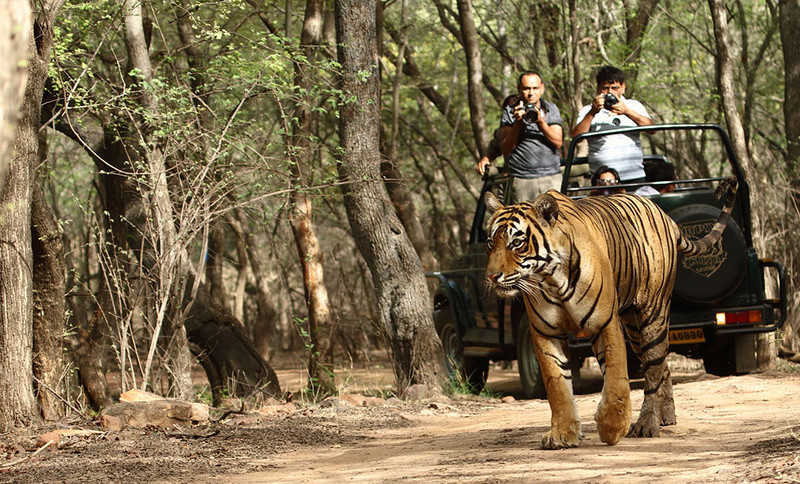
(694, 247)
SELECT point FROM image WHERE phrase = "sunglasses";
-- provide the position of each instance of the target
(602, 182)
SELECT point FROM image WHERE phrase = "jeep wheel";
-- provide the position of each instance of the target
(722, 362)
(530, 375)
(466, 369)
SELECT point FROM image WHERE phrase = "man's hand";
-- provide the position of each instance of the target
(620, 108)
(598, 103)
(519, 110)
(481, 166)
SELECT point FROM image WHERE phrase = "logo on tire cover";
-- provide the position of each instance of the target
(707, 263)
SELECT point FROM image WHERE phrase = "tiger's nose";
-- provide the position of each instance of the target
(495, 277)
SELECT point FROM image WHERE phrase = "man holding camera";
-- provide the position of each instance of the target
(610, 110)
(531, 132)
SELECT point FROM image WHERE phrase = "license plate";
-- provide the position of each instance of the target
(686, 336)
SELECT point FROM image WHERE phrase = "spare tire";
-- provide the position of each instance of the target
(707, 278)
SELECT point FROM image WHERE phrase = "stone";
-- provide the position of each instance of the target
(136, 395)
(157, 413)
(51, 437)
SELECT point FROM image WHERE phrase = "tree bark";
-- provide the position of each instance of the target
(320, 318)
(17, 401)
(790, 40)
(214, 260)
(264, 329)
(728, 92)
(789, 13)
(474, 74)
(403, 303)
(49, 317)
(407, 212)
(15, 27)
(636, 25)
(156, 199)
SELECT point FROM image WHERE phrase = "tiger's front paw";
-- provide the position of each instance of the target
(613, 419)
(562, 439)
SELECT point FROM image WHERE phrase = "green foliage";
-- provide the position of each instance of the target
(223, 121)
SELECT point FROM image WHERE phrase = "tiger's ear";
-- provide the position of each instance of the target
(547, 207)
(492, 203)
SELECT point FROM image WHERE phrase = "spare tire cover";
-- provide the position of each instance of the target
(709, 277)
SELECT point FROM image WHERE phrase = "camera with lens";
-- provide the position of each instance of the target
(531, 113)
(609, 100)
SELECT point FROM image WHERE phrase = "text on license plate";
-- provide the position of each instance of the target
(686, 336)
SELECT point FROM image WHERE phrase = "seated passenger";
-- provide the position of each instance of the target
(605, 178)
(658, 171)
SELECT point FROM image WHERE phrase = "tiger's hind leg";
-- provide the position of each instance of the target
(651, 343)
(668, 404)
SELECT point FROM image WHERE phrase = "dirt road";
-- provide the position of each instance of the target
(734, 429)
(731, 429)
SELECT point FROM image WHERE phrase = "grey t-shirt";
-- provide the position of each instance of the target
(534, 156)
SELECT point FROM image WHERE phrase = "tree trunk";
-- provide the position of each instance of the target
(264, 328)
(17, 401)
(214, 260)
(320, 318)
(15, 27)
(89, 346)
(407, 211)
(730, 106)
(790, 40)
(472, 51)
(50, 307)
(157, 202)
(728, 92)
(403, 302)
(636, 25)
(404, 203)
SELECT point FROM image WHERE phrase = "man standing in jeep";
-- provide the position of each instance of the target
(531, 130)
(609, 110)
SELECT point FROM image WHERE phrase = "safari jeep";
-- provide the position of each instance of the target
(719, 303)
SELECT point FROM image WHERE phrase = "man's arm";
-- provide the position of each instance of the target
(553, 132)
(637, 118)
(510, 135)
(640, 118)
(510, 132)
(585, 123)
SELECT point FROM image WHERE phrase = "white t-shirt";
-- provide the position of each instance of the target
(623, 152)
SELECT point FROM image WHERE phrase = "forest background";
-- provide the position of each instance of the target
(231, 181)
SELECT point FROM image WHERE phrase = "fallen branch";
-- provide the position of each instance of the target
(27, 458)
(41, 383)
(191, 435)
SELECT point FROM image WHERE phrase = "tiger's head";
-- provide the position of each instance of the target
(524, 250)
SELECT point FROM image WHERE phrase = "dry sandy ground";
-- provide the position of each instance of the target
(734, 429)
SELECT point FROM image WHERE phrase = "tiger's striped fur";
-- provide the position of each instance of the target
(598, 265)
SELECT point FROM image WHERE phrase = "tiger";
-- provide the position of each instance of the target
(599, 265)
